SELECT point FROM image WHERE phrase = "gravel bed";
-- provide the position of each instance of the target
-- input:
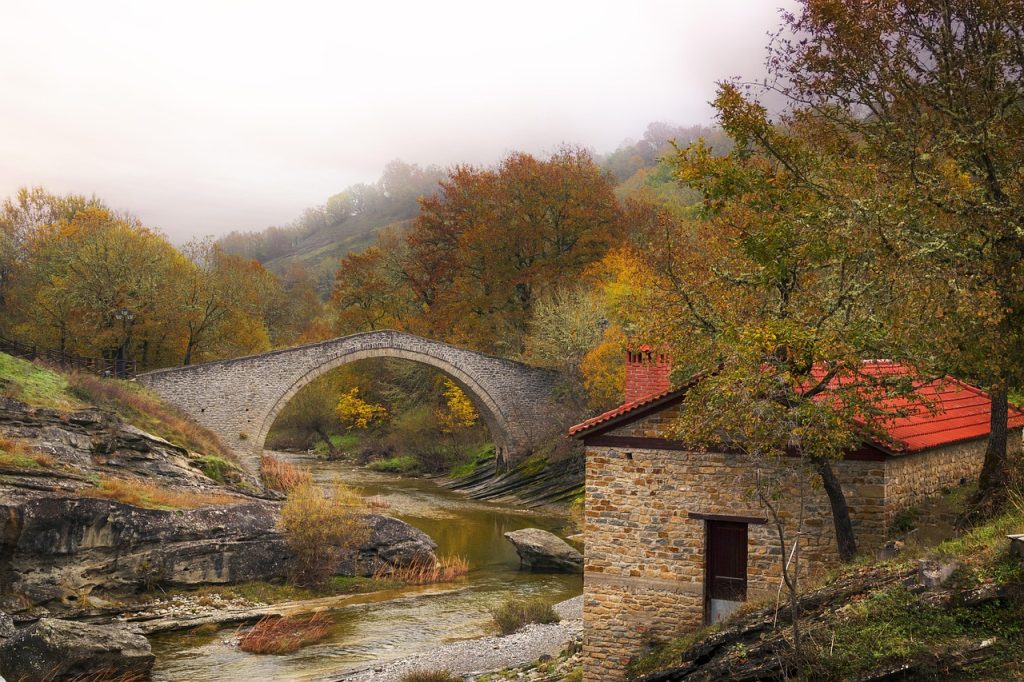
(486, 654)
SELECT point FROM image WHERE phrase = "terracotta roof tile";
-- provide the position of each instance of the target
(947, 411)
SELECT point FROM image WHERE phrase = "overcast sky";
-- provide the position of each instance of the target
(205, 117)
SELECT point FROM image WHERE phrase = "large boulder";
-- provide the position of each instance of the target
(540, 550)
(54, 649)
(391, 543)
(63, 549)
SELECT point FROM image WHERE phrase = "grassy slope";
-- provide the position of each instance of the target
(893, 622)
(42, 387)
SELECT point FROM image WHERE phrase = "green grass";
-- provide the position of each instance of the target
(514, 613)
(479, 456)
(217, 468)
(35, 385)
(533, 464)
(345, 441)
(403, 464)
(21, 460)
(895, 625)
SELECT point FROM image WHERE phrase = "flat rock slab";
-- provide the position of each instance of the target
(60, 649)
(540, 550)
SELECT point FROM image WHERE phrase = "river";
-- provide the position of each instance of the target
(396, 623)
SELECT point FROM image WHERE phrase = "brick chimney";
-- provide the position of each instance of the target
(646, 372)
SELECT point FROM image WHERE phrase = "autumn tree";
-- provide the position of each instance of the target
(103, 280)
(771, 296)
(924, 99)
(21, 216)
(492, 241)
(219, 294)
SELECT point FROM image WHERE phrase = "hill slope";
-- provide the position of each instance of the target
(883, 622)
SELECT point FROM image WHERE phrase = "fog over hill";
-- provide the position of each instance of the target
(351, 219)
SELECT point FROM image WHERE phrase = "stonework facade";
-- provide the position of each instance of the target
(239, 399)
(648, 503)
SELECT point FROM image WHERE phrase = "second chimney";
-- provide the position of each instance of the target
(647, 373)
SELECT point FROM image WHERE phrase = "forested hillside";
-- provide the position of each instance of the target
(529, 259)
(351, 220)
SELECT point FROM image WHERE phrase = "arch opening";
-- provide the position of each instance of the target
(374, 367)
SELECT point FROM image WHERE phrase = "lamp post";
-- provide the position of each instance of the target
(126, 317)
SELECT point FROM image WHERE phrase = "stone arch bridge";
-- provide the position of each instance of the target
(239, 399)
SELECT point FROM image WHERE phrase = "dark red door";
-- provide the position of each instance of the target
(725, 568)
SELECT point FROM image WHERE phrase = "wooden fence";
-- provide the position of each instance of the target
(107, 367)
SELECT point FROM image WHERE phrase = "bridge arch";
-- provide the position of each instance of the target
(239, 399)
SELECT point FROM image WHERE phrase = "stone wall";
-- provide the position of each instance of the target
(644, 561)
(911, 479)
(239, 399)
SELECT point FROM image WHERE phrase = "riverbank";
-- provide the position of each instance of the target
(483, 655)
(372, 630)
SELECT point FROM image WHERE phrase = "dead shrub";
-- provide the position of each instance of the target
(283, 476)
(149, 496)
(444, 570)
(319, 528)
(284, 635)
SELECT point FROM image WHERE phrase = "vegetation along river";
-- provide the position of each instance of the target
(395, 623)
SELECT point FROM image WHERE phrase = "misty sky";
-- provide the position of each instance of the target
(204, 117)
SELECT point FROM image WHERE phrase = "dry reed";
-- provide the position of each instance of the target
(283, 476)
(284, 635)
(444, 570)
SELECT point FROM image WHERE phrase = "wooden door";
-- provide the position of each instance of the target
(725, 586)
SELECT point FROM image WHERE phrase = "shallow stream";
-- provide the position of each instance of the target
(393, 624)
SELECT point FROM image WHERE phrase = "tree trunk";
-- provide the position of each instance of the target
(991, 496)
(845, 538)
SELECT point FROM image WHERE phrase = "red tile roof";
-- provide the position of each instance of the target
(947, 410)
(625, 408)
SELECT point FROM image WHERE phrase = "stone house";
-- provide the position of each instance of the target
(676, 539)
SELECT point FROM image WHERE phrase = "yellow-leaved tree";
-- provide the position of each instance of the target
(458, 413)
(357, 413)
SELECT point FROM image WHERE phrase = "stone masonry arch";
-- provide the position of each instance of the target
(239, 399)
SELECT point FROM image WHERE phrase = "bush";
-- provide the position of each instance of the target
(515, 613)
(319, 529)
(216, 468)
(274, 635)
(431, 676)
(282, 476)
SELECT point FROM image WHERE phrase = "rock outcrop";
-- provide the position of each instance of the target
(54, 649)
(540, 550)
(61, 549)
